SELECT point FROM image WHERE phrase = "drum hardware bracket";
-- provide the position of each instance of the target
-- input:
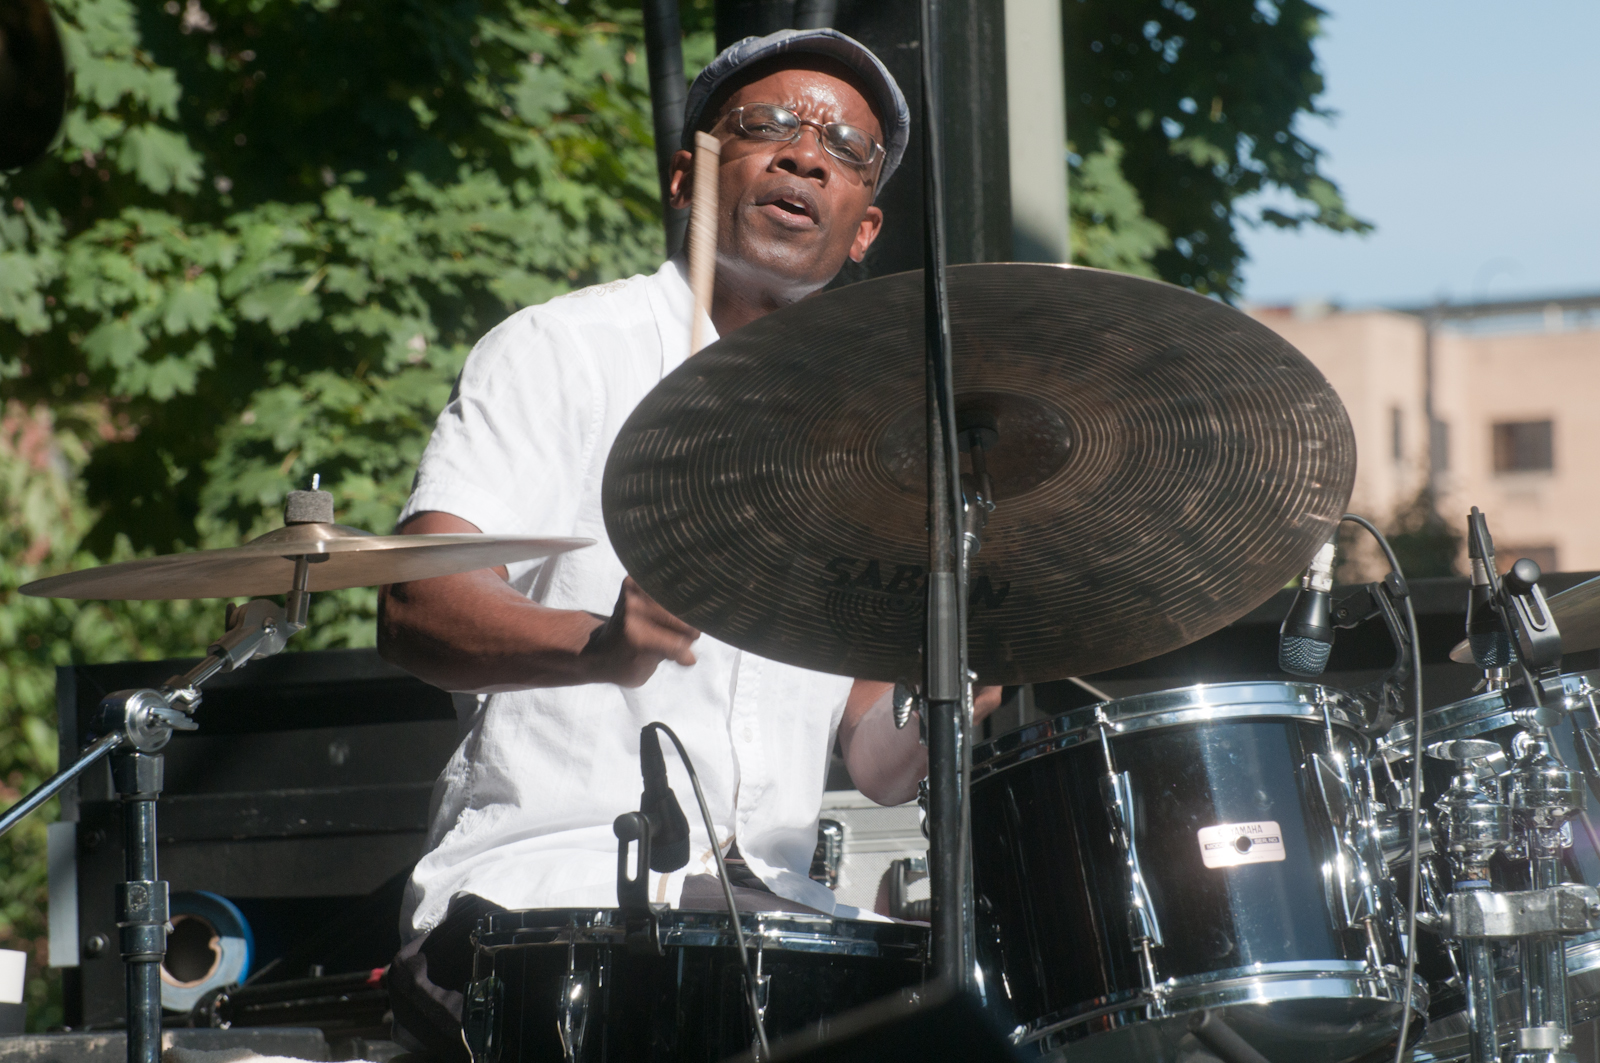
(1355, 888)
(642, 923)
(902, 873)
(1555, 911)
(1143, 925)
(1383, 598)
(573, 1011)
(907, 701)
(480, 1010)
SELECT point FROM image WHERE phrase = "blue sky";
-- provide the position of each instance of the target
(1469, 133)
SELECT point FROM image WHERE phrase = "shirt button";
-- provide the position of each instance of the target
(748, 735)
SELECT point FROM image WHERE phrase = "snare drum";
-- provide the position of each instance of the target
(1230, 827)
(1493, 716)
(561, 984)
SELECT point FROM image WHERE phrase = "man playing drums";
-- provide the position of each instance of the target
(555, 670)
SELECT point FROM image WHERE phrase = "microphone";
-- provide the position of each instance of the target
(1306, 637)
(1486, 634)
(669, 829)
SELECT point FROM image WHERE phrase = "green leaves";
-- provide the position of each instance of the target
(161, 159)
(266, 241)
(275, 195)
(1109, 226)
(1204, 101)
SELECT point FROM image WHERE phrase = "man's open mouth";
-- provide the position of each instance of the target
(791, 202)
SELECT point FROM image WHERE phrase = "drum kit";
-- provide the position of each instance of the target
(1219, 872)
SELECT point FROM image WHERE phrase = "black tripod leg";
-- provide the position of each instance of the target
(141, 901)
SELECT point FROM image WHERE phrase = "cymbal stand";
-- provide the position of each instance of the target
(1544, 795)
(945, 688)
(132, 727)
(1476, 825)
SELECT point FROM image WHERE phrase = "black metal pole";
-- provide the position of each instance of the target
(944, 658)
(141, 901)
(663, 43)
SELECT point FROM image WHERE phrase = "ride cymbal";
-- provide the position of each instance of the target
(1161, 463)
(343, 556)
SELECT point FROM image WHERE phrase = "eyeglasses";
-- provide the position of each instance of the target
(768, 121)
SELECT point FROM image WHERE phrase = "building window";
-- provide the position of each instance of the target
(1397, 449)
(1523, 446)
(1543, 556)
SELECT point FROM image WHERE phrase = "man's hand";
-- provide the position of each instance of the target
(637, 637)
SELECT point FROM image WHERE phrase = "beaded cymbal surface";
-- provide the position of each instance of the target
(1162, 464)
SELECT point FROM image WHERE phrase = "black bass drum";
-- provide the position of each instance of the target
(1195, 858)
(562, 984)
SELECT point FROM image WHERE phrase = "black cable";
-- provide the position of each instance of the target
(1416, 785)
(727, 890)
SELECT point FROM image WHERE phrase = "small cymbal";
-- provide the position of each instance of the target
(342, 557)
(1162, 463)
(1576, 612)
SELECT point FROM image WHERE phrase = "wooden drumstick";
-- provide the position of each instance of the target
(703, 234)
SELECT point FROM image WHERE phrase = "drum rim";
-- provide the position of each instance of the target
(1475, 715)
(1264, 983)
(1174, 707)
(779, 931)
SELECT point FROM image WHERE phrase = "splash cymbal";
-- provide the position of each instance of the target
(343, 557)
(1162, 463)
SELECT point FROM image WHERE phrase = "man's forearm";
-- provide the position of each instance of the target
(474, 633)
(885, 762)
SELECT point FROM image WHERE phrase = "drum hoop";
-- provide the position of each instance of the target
(1257, 984)
(778, 931)
(1475, 715)
(1180, 707)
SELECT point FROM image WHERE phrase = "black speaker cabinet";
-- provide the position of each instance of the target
(302, 798)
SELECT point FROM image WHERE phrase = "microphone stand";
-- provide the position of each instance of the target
(132, 727)
(945, 689)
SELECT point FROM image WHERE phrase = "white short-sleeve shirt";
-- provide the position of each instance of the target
(523, 811)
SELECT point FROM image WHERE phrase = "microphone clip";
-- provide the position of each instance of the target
(1523, 606)
(640, 918)
(1355, 606)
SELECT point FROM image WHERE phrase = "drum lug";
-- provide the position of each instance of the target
(573, 1012)
(480, 1017)
(1116, 790)
(763, 987)
(1347, 874)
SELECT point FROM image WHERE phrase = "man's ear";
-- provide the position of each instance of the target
(680, 188)
(866, 232)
